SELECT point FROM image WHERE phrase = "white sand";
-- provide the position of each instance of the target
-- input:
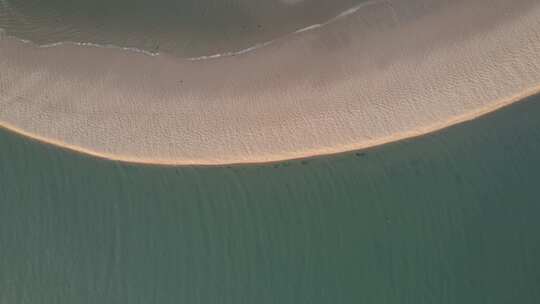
(391, 70)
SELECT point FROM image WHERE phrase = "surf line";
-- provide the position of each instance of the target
(342, 15)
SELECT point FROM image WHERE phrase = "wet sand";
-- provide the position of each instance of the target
(391, 70)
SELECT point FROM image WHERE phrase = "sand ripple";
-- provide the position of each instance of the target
(393, 70)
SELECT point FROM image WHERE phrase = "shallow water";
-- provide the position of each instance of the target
(451, 217)
(187, 28)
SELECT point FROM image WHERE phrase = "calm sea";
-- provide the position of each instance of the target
(451, 217)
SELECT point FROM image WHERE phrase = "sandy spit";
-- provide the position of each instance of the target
(392, 70)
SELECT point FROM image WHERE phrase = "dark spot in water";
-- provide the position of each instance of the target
(304, 162)
(360, 154)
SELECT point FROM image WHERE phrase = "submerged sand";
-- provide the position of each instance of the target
(390, 70)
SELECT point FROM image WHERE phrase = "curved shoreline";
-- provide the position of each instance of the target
(308, 154)
(234, 52)
(254, 47)
(367, 80)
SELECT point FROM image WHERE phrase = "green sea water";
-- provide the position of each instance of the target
(450, 217)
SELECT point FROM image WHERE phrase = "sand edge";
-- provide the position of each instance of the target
(257, 116)
(308, 154)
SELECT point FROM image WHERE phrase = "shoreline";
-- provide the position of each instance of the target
(382, 74)
(313, 16)
(315, 154)
(254, 47)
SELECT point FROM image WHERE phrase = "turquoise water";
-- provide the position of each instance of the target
(451, 217)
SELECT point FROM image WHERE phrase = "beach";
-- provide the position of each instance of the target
(384, 72)
(446, 218)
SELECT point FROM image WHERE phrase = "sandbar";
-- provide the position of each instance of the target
(388, 71)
